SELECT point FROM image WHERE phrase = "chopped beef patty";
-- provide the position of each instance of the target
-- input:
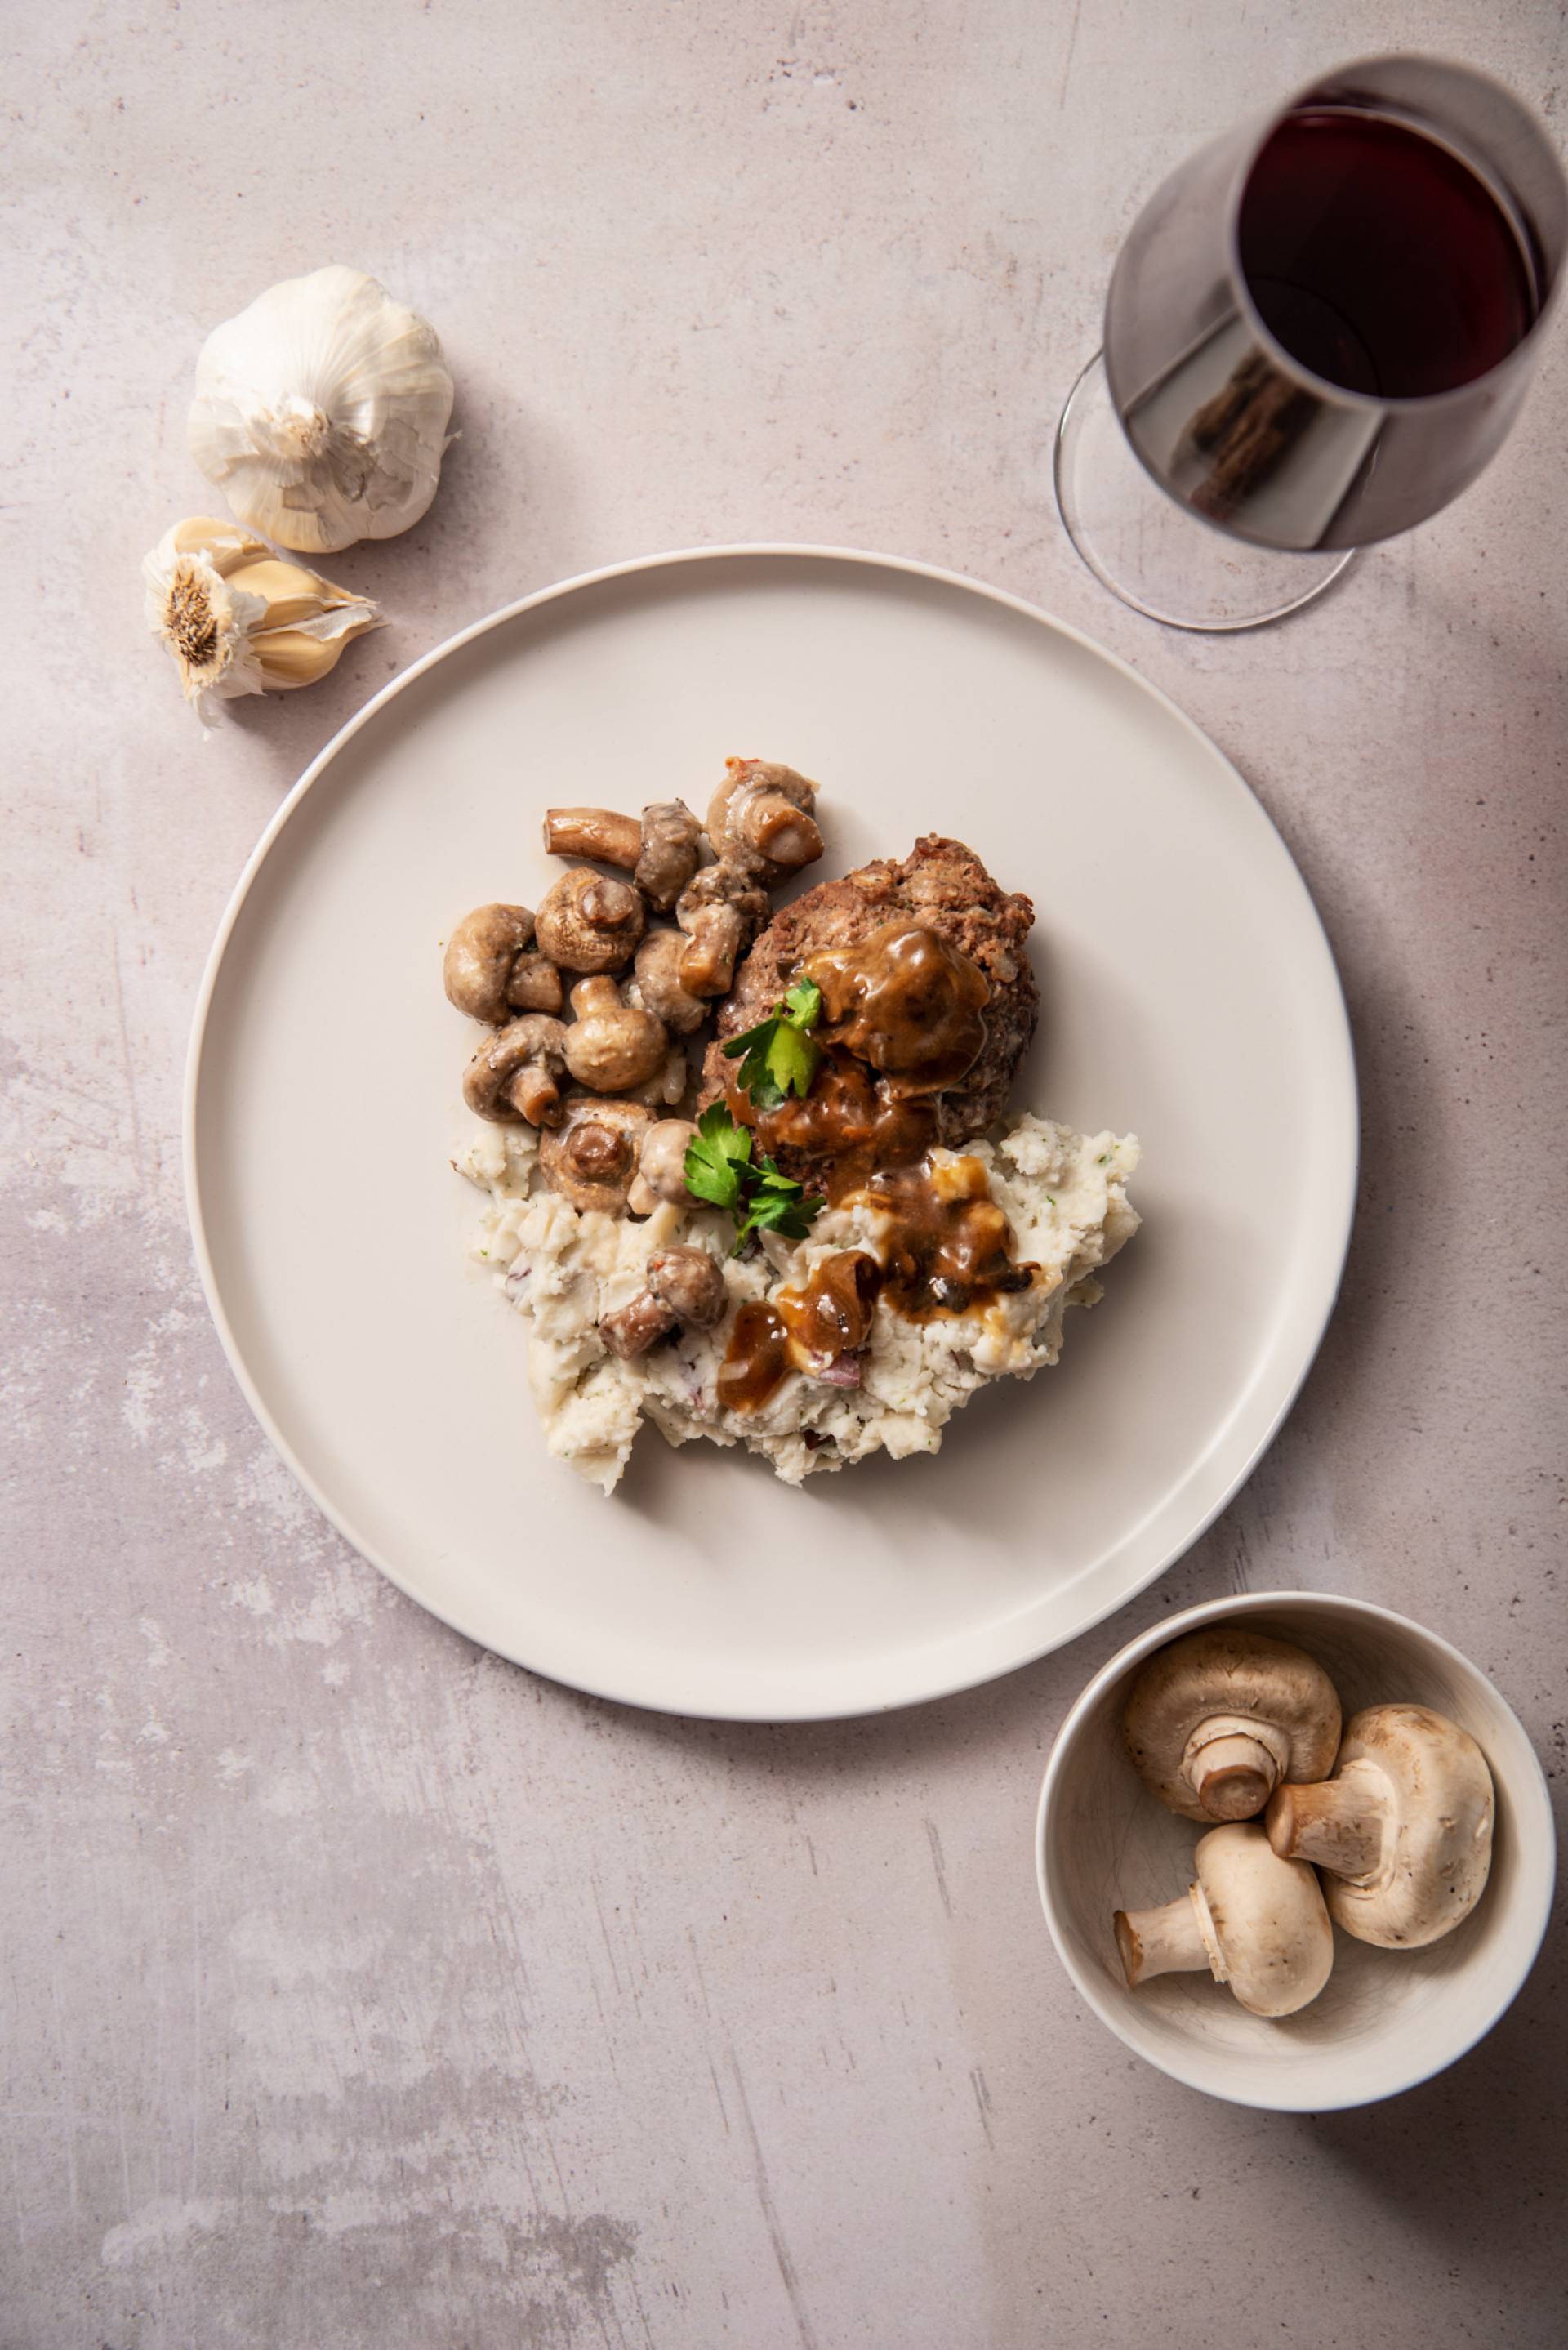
(943, 885)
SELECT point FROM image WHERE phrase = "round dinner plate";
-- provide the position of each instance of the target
(1189, 997)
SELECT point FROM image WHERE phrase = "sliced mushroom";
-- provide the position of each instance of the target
(683, 1286)
(1255, 1922)
(760, 819)
(1219, 1720)
(612, 1046)
(591, 1157)
(721, 910)
(1404, 1826)
(489, 972)
(513, 1074)
(588, 922)
(660, 852)
(661, 1166)
(656, 984)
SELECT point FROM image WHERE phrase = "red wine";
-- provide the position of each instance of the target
(1379, 258)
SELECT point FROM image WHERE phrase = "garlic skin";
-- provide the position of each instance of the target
(237, 620)
(321, 412)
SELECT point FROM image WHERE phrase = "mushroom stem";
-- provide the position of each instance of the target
(1232, 1765)
(594, 832)
(1336, 1824)
(1166, 1942)
(780, 831)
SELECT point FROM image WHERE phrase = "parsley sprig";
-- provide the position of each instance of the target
(781, 1056)
(720, 1170)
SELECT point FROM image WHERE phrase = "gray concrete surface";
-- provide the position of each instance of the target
(359, 1989)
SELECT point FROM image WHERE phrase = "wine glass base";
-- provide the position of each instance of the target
(1149, 549)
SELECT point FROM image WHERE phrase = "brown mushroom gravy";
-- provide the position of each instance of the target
(905, 1001)
(902, 1020)
(797, 1329)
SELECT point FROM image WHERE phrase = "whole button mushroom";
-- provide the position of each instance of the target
(683, 1286)
(721, 910)
(760, 819)
(656, 983)
(1404, 1826)
(659, 851)
(661, 1166)
(1219, 1718)
(613, 1046)
(591, 1158)
(1257, 1922)
(513, 1074)
(489, 972)
(587, 922)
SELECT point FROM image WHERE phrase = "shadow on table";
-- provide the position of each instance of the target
(1478, 2159)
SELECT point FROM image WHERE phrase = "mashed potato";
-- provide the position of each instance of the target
(1063, 1193)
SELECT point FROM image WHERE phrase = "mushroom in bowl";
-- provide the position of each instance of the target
(1255, 1922)
(1385, 2020)
(1403, 1830)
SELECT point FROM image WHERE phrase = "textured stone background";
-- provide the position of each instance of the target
(359, 1989)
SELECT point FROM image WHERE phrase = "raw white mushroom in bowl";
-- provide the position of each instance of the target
(321, 411)
(1403, 1830)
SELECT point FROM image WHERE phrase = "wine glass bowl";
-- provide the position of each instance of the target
(1317, 333)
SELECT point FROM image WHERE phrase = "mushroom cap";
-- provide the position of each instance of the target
(480, 955)
(656, 984)
(668, 859)
(1436, 1828)
(591, 1156)
(1227, 1674)
(1266, 1920)
(588, 922)
(755, 789)
(663, 1160)
(690, 1282)
(612, 1047)
(494, 1082)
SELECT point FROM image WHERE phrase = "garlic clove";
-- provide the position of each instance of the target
(321, 411)
(291, 657)
(236, 619)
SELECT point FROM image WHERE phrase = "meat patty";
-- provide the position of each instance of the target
(943, 885)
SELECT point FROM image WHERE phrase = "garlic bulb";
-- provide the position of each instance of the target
(237, 620)
(321, 412)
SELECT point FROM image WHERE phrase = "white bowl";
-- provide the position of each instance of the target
(1387, 2019)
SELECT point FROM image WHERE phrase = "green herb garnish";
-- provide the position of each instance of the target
(781, 1057)
(719, 1169)
(717, 1158)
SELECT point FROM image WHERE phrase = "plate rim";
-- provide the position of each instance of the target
(802, 551)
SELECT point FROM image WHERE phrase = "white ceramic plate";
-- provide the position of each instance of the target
(1189, 996)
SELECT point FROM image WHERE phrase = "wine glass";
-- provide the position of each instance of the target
(1319, 330)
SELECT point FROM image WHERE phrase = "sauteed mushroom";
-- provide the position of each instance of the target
(660, 852)
(591, 1157)
(488, 971)
(721, 911)
(761, 818)
(661, 1167)
(513, 1074)
(684, 1285)
(656, 983)
(588, 922)
(612, 1046)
